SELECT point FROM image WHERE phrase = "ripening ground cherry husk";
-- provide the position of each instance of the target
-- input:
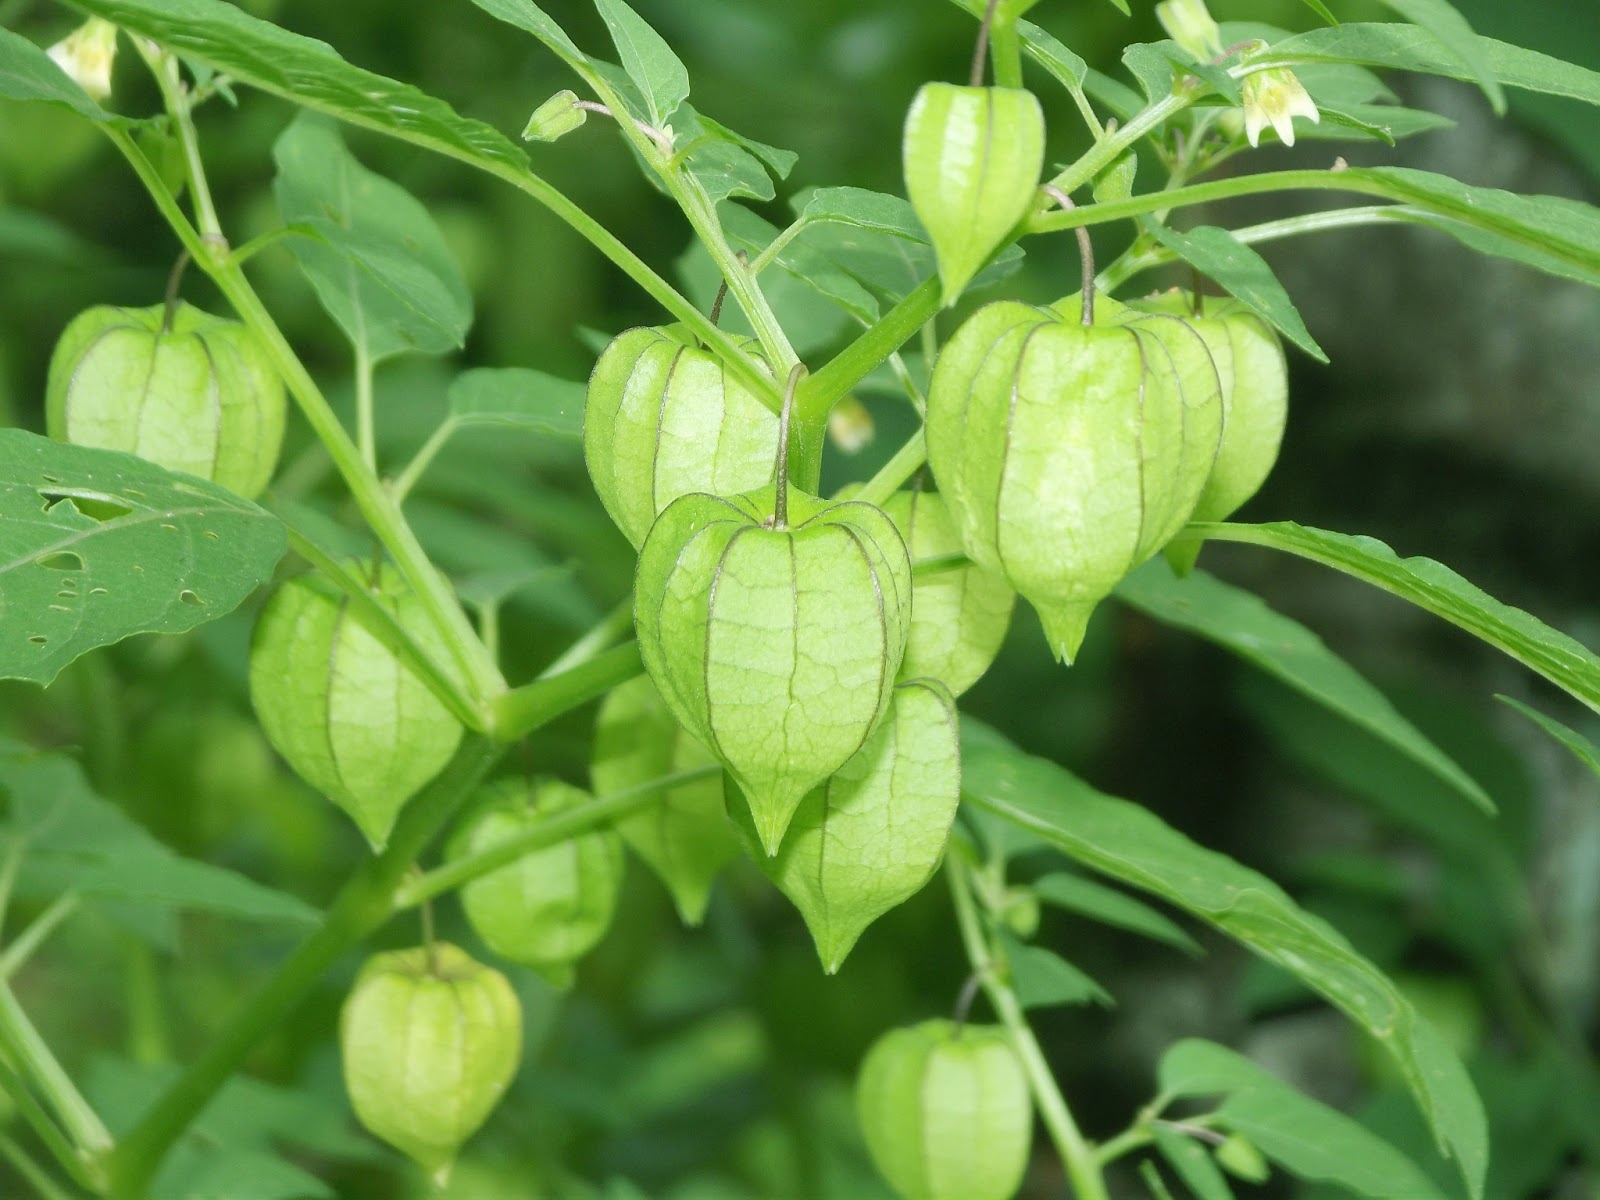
(200, 396)
(551, 906)
(972, 159)
(430, 1041)
(347, 714)
(871, 836)
(663, 418)
(946, 1112)
(684, 836)
(959, 615)
(1070, 453)
(776, 643)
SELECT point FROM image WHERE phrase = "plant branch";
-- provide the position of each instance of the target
(35, 1175)
(558, 828)
(33, 1059)
(905, 463)
(520, 711)
(165, 67)
(30, 939)
(828, 385)
(1077, 1156)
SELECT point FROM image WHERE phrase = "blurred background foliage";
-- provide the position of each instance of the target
(1459, 419)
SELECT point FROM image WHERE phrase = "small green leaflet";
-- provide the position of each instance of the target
(524, 399)
(1582, 748)
(96, 546)
(1562, 660)
(655, 70)
(378, 262)
(1216, 253)
(1048, 51)
(75, 841)
(526, 15)
(28, 73)
(1074, 893)
(1239, 621)
(1408, 48)
(1321, 9)
(1303, 1136)
(1041, 978)
(1192, 1164)
(1130, 844)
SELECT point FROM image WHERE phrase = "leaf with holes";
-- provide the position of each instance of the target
(96, 546)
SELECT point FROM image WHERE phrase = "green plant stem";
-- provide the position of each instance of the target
(905, 463)
(1107, 150)
(1077, 1156)
(165, 67)
(366, 433)
(559, 828)
(1133, 1138)
(31, 1172)
(823, 389)
(611, 628)
(520, 711)
(21, 948)
(1005, 51)
(363, 904)
(38, 1066)
(400, 487)
(381, 512)
(1132, 264)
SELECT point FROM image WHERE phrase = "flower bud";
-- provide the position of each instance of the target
(349, 716)
(1188, 23)
(86, 55)
(946, 1112)
(775, 643)
(199, 396)
(1239, 1157)
(663, 418)
(430, 1041)
(555, 118)
(973, 156)
(1275, 97)
(684, 836)
(872, 835)
(550, 907)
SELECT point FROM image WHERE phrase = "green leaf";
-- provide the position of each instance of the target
(379, 264)
(1408, 48)
(97, 545)
(1111, 907)
(1582, 748)
(1321, 9)
(529, 16)
(521, 398)
(1431, 585)
(1240, 622)
(1386, 123)
(28, 73)
(310, 73)
(1132, 845)
(1303, 1136)
(1245, 274)
(1048, 51)
(76, 841)
(1441, 19)
(1041, 978)
(655, 70)
(1200, 1174)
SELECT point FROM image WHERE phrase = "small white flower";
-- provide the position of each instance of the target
(1188, 23)
(86, 55)
(1275, 97)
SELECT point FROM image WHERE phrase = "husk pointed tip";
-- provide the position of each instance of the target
(1064, 628)
(1181, 557)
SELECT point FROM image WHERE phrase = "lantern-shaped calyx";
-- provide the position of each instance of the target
(873, 834)
(550, 906)
(195, 393)
(663, 418)
(346, 712)
(430, 1041)
(774, 632)
(972, 161)
(946, 1113)
(1070, 453)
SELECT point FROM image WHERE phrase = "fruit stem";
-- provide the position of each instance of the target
(722, 288)
(1085, 252)
(169, 306)
(780, 501)
(1077, 1156)
(980, 51)
(427, 937)
(963, 1008)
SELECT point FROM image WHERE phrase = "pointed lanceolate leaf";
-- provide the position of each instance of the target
(777, 647)
(972, 160)
(685, 836)
(96, 546)
(649, 61)
(870, 837)
(551, 906)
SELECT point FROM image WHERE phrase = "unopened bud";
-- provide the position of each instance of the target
(86, 54)
(1188, 23)
(556, 117)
